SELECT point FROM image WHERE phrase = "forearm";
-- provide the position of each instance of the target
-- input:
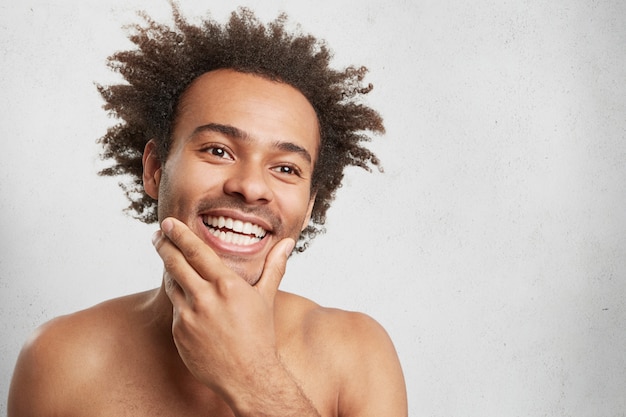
(272, 392)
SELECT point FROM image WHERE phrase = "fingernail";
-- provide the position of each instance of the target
(167, 225)
(156, 236)
(289, 247)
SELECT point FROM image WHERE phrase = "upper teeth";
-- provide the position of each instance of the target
(238, 226)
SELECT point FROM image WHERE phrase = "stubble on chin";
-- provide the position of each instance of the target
(238, 267)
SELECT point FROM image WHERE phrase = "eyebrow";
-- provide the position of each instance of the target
(236, 133)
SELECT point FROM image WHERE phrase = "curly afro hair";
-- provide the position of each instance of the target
(166, 61)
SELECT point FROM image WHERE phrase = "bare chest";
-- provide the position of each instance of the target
(153, 387)
(150, 395)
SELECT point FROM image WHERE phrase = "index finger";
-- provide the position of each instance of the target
(196, 252)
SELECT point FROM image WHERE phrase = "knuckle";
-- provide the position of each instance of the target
(225, 287)
(170, 283)
(280, 269)
(184, 317)
(182, 323)
(276, 271)
(169, 263)
(193, 252)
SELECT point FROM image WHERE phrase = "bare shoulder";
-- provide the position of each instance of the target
(62, 356)
(358, 351)
(353, 331)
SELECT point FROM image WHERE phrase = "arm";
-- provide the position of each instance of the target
(44, 376)
(26, 386)
(372, 380)
(224, 328)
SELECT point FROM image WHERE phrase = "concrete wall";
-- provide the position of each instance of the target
(492, 248)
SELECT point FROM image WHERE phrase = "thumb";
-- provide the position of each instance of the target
(274, 269)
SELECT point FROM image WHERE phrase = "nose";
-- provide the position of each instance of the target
(249, 183)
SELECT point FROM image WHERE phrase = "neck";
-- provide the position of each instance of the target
(159, 308)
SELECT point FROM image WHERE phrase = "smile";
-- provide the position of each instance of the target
(234, 231)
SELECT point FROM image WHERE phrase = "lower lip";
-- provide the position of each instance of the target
(220, 246)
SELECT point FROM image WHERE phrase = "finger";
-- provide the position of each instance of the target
(176, 267)
(274, 269)
(174, 291)
(197, 253)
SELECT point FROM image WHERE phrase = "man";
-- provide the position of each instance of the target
(236, 137)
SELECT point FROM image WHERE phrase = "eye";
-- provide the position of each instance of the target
(287, 170)
(217, 151)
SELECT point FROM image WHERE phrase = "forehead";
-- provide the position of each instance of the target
(265, 109)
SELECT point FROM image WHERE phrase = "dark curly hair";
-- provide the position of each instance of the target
(168, 59)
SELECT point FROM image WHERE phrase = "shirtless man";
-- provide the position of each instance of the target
(240, 133)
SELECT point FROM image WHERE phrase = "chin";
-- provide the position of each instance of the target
(246, 273)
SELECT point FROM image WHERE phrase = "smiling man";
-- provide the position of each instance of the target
(236, 137)
(242, 157)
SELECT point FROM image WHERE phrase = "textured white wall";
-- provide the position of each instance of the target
(492, 248)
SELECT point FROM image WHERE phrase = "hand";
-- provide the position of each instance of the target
(222, 326)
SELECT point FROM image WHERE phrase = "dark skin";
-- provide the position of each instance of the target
(218, 338)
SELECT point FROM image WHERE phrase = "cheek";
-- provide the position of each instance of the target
(183, 184)
(174, 190)
(165, 196)
(297, 205)
(181, 178)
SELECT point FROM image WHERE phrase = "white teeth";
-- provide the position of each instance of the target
(240, 233)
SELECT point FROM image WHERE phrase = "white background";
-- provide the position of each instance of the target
(492, 248)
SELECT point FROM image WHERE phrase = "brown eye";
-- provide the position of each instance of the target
(287, 170)
(218, 152)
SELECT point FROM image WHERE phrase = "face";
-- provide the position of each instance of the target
(240, 166)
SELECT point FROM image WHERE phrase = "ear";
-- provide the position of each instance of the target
(151, 169)
(307, 219)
